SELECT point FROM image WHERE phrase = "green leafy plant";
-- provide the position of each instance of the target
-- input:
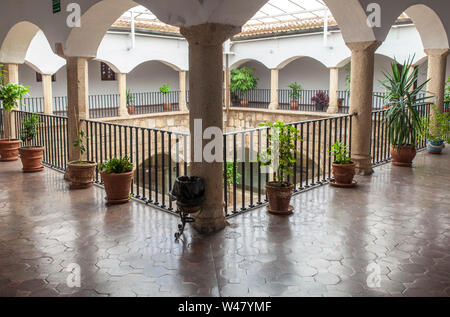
(117, 166)
(402, 119)
(130, 99)
(164, 89)
(30, 128)
(348, 77)
(243, 80)
(10, 95)
(2, 74)
(447, 91)
(339, 151)
(281, 149)
(229, 170)
(436, 127)
(295, 90)
(79, 144)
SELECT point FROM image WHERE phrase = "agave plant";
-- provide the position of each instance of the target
(402, 118)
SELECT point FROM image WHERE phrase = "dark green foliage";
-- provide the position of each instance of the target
(340, 153)
(243, 80)
(117, 166)
(30, 128)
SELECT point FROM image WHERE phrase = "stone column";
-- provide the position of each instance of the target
(11, 76)
(361, 89)
(437, 63)
(227, 83)
(182, 78)
(274, 89)
(122, 82)
(205, 89)
(334, 86)
(77, 98)
(47, 93)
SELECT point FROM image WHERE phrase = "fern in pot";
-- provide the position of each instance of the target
(402, 118)
(31, 155)
(117, 175)
(279, 156)
(10, 95)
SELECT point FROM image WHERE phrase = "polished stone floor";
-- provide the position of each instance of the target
(395, 223)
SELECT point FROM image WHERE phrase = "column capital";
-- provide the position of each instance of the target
(438, 52)
(369, 46)
(209, 34)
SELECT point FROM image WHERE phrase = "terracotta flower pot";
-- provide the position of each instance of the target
(344, 173)
(31, 157)
(81, 175)
(279, 198)
(9, 149)
(130, 110)
(294, 104)
(167, 106)
(117, 187)
(403, 155)
(244, 103)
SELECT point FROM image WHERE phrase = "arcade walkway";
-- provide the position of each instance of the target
(398, 218)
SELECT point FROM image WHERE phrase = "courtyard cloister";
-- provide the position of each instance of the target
(395, 218)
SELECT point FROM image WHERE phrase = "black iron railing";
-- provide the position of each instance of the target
(103, 106)
(303, 102)
(159, 156)
(152, 102)
(52, 134)
(256, 98)
(245, 188)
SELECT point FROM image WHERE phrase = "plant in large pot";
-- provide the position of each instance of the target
(130, 102)
(10, 94)
(321, 100)
(117, 175)
(242, 81)
(436, 130)
(31, 155)
(343, 167)
(165, 90)
(403, 121)
(81, 173)
(279, 156)
(294, 94)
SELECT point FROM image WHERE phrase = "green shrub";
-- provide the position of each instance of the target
(340, 153)
(30, 128)
(117, 166)
(164, 89)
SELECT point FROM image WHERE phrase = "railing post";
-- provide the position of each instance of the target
(122, 82)
(274, 89)
(334, 86)
(363, 55)
(11, 76)
(47, 93)
(182, 97)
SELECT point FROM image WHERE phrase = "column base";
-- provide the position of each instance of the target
(363, 165)
(208, 225)
(274, 106)
(333, 110)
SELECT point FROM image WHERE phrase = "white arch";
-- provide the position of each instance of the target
(173, 66)
(17, 41)
(430, 27)
(293, 58)
(242, 61)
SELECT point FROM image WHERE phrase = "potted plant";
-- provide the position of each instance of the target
(402, 119)
(81, 173)
(117, 174)
(321, 100)
(164, 90)
(280, 155)
(294, 94)
(10, 94)
(243, 80)
(343, 167)
(31, 156)
(436, 130)
(230, 178)
(130, 102)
